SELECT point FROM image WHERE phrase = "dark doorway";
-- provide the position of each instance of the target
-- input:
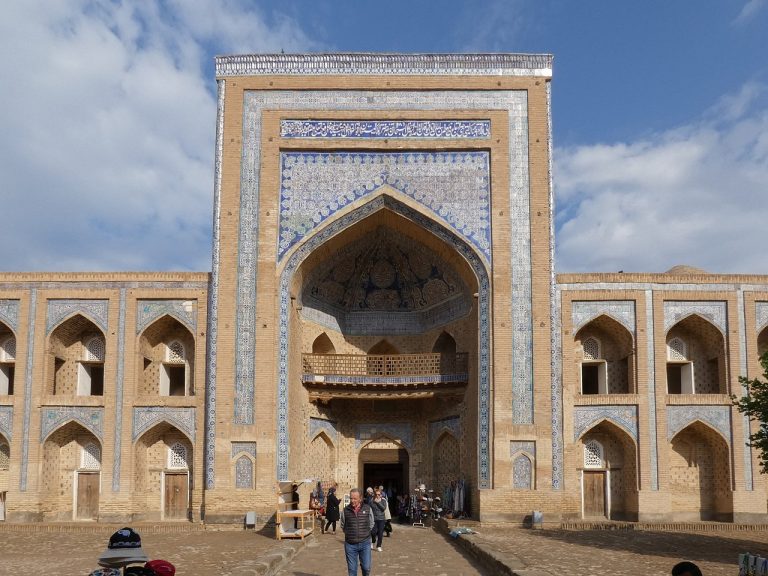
(385, 467)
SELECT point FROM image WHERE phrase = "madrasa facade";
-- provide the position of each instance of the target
(382, 307)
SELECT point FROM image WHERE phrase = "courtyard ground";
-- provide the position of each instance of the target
(60, 551)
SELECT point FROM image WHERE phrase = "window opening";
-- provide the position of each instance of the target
(90, 458)
(177, 456)
(593, 455)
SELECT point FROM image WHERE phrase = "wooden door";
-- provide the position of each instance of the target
(2, 506)
(176, 497)
(594, 494)
(87, 495)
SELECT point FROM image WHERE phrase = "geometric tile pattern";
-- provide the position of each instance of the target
(148, 311)
(718, 417)
(245, 448)
(516, 446)
(119, 393)
(453, 185)
(420, 129)
(521, 321)
(6, 421)
(328, 426)
(400, 431)
(255, 102)
(743, 372)
(715, 312)
(145, 418)
(451, 424)
(556, 395)
(623, 311)
(522, 473)
(213, 303)
(585, 417)
(9, 314)
(96, 310)
(386, 64)
(28, 389)
(244, 473)
(652, 420)
(91, 418)
(761, 316)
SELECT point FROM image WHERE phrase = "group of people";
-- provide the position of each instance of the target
(125, 556)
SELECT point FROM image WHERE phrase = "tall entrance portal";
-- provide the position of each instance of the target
(385, 332)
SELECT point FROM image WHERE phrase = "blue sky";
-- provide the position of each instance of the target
(660, 114)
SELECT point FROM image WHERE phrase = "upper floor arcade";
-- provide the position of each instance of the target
(684, 338)
(76, 339)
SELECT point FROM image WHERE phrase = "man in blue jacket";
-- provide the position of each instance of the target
(357, 522)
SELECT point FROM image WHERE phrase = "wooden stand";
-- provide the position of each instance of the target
(285, 518)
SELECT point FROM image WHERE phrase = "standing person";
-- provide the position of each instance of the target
(331, 509)
(295, 504)
(357, 522)
(378, 505)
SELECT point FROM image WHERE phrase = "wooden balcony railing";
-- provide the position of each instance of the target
(385, 364)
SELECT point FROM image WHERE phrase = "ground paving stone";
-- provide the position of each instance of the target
(409, 551)
(628, 553)
(199, 553)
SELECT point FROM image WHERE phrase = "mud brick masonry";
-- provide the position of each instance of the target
(382, 307)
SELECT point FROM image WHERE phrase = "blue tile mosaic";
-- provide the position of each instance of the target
(95, 310)
(91, 418)
(454, 186)
(9, 314)
(652, 420)
(147, 311)
(623, 311)
(718, 417)
(585, 417)
(6, 422)
(715, 312)
(387, 64)
(394, 129)
(761, 315)
(119, 394)
(213, 304)
(748, 485)
(28, 389)
(244, 448)
(146, 417)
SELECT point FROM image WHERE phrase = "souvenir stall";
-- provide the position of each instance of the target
(292, 523)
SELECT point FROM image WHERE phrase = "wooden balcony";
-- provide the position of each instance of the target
(385, 376)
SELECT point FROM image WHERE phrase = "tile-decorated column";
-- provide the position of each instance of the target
(653, 447)
(28, 389)
(119, 394)
(213, 304)
(748, 484)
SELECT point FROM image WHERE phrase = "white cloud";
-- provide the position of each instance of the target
(694, 195)
(108, 125)
(749, 11)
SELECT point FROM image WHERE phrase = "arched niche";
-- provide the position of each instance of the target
(696, 358)
(166, 359)
(75, 358)
(604, 349)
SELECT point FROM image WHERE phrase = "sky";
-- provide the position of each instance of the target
(659, 110)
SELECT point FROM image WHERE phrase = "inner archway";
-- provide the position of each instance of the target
(391, 285)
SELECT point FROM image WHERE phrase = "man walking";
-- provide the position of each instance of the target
(357, 522)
